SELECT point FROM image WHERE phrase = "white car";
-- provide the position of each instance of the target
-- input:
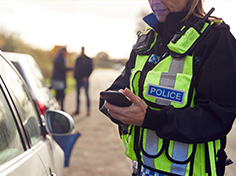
(26, 144)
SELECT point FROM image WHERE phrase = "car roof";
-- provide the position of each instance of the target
(16, 57)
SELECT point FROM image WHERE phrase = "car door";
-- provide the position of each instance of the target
(40, 151)
(15, 156)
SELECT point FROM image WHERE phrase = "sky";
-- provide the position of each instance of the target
(99, 25)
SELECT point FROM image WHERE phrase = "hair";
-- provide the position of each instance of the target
(195, 7)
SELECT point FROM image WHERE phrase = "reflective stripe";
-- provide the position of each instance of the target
(151, 142)
(180, 153)
(148, 161)
(151, 147)
(168, 79)
(177, 65)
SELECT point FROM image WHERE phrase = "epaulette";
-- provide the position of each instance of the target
(146, 39)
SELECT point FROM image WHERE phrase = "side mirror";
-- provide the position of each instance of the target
(58, 122)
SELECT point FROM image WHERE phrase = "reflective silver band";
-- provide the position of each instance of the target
(168, 79)
(151, 147)
(180, 153)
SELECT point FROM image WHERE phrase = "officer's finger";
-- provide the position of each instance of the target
(133, 98)
(113, 108)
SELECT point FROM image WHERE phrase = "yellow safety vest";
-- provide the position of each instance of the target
(168, 83)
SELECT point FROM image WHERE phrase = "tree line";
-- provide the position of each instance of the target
(11, 42)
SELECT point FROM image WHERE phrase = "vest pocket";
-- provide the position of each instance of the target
(128, 143)
(180, 153)
(151, 145)
(166, 155)
(177, 152)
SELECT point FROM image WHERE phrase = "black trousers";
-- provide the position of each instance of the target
(60, 95)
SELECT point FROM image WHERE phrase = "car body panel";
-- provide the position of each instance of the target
(50, 149)
(27, 164)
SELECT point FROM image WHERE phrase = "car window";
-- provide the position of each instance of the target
(33, 72)
(10, 141)
(28, 112)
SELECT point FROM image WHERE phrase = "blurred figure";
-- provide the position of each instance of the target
(58, 81)
(83, 69)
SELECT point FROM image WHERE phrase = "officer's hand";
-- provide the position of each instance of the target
(132, 115)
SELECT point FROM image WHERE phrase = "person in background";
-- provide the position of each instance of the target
(181, 80)
(83, 69)
(58, 81)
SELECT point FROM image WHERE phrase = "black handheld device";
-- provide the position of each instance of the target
(115, 98)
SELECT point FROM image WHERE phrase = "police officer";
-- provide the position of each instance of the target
(181, 80)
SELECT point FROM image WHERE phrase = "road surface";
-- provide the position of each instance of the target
(98, 151)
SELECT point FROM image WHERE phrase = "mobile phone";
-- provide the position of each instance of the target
(115, 98)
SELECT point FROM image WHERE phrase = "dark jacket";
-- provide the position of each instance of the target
(83, 67)
(214, 80)
(60, 69)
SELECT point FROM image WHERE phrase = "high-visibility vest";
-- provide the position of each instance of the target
(169, 82)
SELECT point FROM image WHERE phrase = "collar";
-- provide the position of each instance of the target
(153, 22)
(174, 22)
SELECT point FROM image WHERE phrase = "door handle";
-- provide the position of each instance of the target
(51, 173)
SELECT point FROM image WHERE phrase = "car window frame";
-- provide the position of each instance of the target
(28, 151)
(16, 118)
(17, 112)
